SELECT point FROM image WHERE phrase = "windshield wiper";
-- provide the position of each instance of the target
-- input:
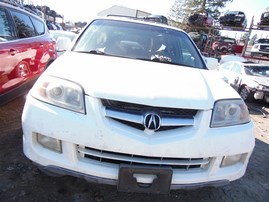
(161, 61)
(97, 52)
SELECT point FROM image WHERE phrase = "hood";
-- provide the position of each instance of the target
(141, 82)
(262, 80)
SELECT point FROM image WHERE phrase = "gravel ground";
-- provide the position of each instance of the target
(20, 180)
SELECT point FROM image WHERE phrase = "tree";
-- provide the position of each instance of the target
(179, 13)
(182, 9)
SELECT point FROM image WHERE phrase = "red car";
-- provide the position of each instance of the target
(224, 45)
(26, 49)
(201, 19)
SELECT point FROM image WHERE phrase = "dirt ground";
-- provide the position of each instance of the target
(20, 180)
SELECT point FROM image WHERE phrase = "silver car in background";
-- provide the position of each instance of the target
(63, 39)
(249, 79)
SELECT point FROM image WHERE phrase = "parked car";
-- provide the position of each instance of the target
(32, 9)
(51, 26)
(201, 19)
(200, 39)
(233, 19)
(157, 18)
(59, 26)
(26, 49)
(224, 44)
(260, 48)
(134, 104)
(227, 58)
(264, 21)
(249, 79)
(262, 40)
(63, 39)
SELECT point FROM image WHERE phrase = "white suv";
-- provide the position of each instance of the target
(261, 47)
(133, 104)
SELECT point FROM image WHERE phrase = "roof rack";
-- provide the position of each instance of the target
(13, 2)
(18, 4)
(152, 18)
(123, 16)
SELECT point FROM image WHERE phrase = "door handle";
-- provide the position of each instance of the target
(13, 51)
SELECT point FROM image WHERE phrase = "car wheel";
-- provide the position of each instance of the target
(224, 50)
(253, 54)
(245, 94)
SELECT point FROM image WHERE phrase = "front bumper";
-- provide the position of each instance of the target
(58, 171)
(94, 148)
(261, 94)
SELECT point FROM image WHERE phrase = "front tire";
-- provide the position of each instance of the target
(253, 54)
(246, 94)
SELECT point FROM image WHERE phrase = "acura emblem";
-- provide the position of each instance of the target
(152, 121)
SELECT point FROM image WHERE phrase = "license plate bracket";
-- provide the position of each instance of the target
(128, 183)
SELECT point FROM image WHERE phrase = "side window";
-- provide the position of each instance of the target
(24, 26)
(5, 27)
(39, 26)
(227, 66)
(236, 68)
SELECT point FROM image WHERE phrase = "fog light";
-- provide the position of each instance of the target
(231, 160)
(49, 142)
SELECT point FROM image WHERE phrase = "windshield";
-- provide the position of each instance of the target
(257, 70)
(232, 13)
(263, 41)
(139, 41)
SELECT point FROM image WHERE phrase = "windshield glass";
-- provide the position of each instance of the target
(257, 70)
(229, 40)
(139, 41)
(263, 41)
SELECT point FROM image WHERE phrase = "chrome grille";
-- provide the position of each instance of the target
(118, 158)
(132, 114)
(138, 109)
(264, 48)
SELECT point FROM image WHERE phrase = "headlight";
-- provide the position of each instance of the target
(59, 92)
(260, 87)
(229, 113)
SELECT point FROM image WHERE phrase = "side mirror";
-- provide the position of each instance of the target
(62, 44)
(211, 63)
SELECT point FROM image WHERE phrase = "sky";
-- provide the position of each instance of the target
(84, 10)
